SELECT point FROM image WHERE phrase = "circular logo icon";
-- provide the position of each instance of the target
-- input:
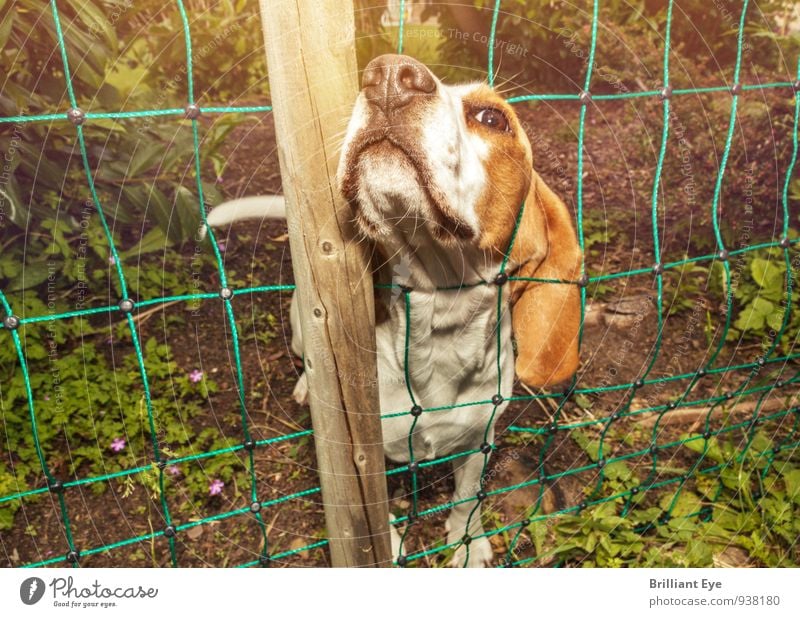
(31, 590)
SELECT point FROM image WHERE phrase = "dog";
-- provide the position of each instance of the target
(440, 179)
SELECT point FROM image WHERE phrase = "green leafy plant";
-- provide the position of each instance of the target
(719, 518)
(764, 308)
(91, 413)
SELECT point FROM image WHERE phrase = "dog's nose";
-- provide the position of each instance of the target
(391, 82)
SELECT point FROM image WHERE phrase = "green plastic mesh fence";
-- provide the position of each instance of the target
(653, 480)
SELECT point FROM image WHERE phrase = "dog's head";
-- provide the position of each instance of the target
(428, 162)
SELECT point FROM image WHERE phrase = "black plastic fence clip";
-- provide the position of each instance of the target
(55, 486)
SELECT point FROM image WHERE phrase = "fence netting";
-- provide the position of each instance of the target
(547, 431)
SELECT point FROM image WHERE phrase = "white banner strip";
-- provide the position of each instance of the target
(401, 593)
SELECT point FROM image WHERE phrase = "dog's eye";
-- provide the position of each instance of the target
(493, 118)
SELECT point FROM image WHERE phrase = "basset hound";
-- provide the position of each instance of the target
(440, 178)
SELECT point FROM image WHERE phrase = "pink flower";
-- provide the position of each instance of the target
(173, 470)
(111, 260)
(221, 246)
(118, 445)
(215, 488)
(220, 180)
(196, 376)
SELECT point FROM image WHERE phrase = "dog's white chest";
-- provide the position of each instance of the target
(440, 352)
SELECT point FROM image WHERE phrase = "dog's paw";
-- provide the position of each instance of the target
(394, 536)
(477, 555)
(300, 393)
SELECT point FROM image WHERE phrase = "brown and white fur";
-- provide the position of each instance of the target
(436, 176)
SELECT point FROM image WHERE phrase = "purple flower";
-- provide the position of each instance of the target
(215, 488)
(220, 180)
(196, 376)
(221, 246)
(173, 470)
(111, 260)
(118, 445)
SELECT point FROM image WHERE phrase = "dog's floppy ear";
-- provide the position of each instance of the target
(545, 316)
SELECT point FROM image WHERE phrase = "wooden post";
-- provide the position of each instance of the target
(313, 81)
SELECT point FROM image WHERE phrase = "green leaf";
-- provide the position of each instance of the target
(538, 531)
(147, 154)
(153, 240)
(5, 26)
(792, 481)
(9, 198)
(768, 273)
(754, 315)
(686, 503)
(34, 274)
(590, 446)
(618, 470)
(187, 209)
